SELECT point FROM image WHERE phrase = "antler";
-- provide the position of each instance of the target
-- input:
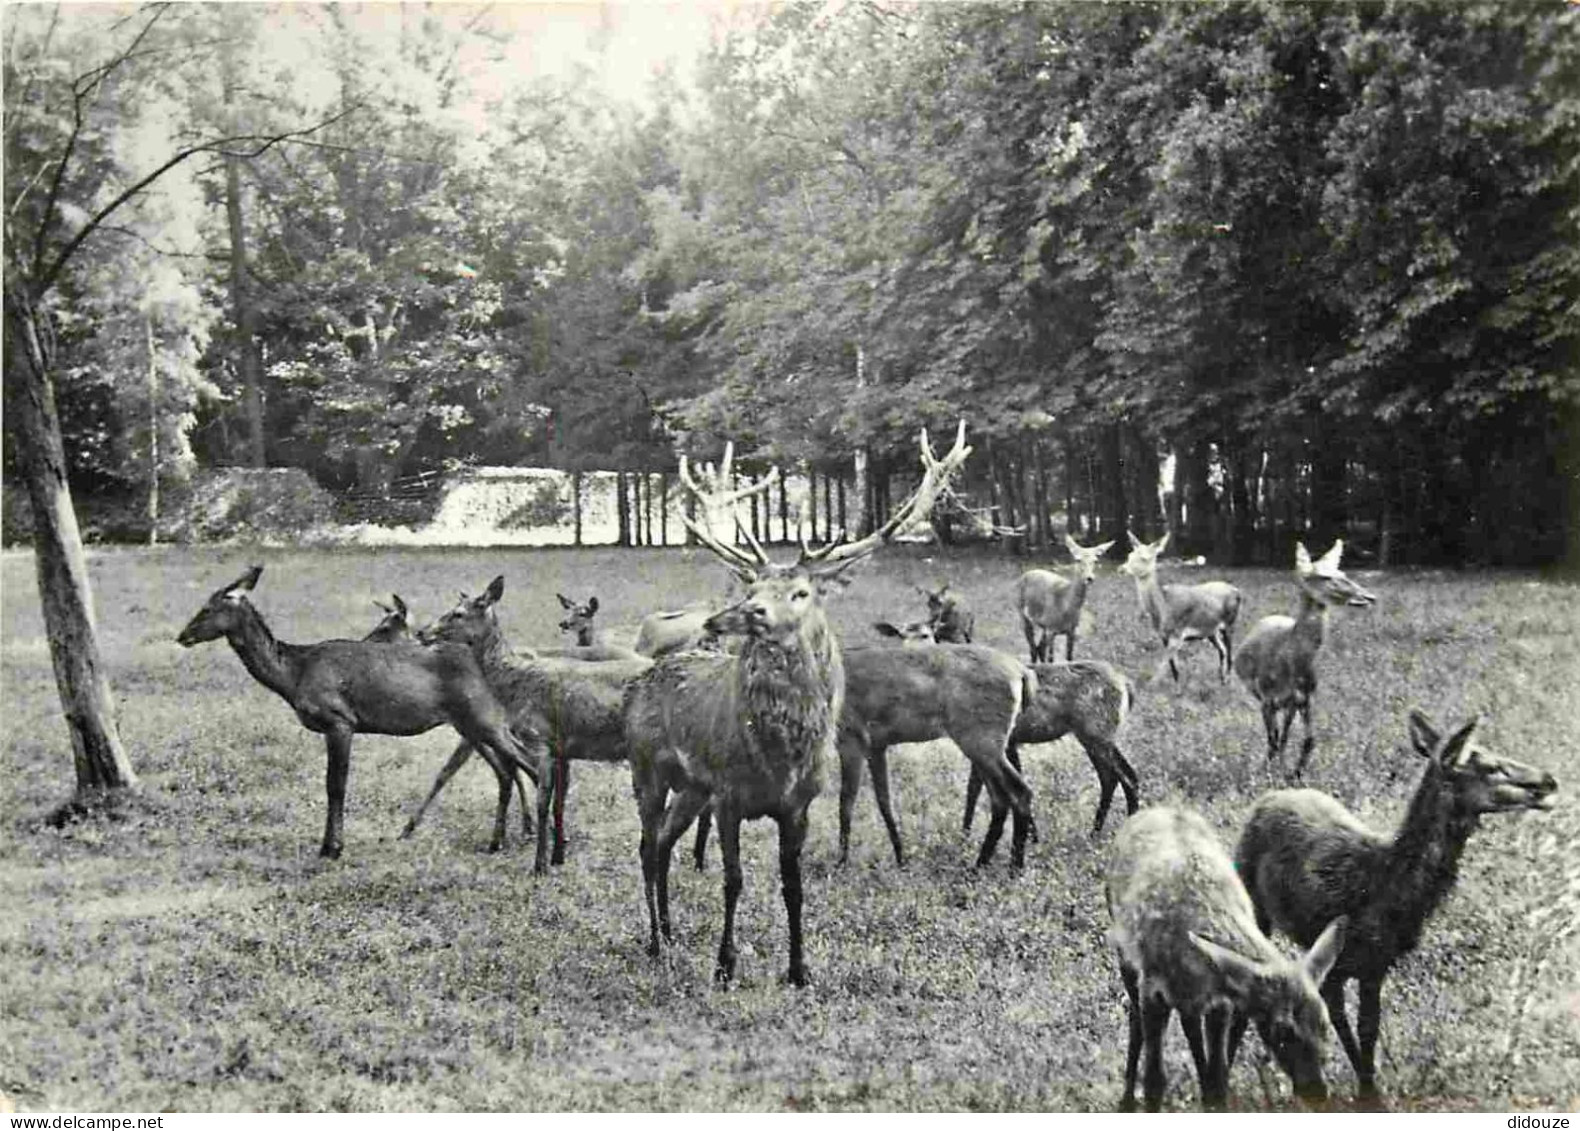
(935, 477)
(717, 495)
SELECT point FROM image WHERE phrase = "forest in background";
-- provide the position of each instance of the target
(1317, 262)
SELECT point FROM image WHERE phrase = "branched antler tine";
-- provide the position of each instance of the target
(935, 477)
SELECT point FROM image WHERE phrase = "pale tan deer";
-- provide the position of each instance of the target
(562, 710)
(1187, 939)
(1051, 604)
(1182, 613)
(1306, 859)
(342, 688)
(589, 643)
(751, 733)
(1277, 660)
(673, 630)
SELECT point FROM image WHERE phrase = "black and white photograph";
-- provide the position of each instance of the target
(828, 556)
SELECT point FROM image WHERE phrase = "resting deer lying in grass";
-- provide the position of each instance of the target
(1182, 613)
(342, 688)
(562, 710)
(589, 645)
(395, 624)
(948, 617)
(1091, 700)
(1051, 604)
(1187, 940)
(1306, 859)
(1277, 661)
(675, 630)
(750, 733)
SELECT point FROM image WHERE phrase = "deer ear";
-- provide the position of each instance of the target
(1423, 733)
(1071, 544)
(495, 590)
(565, 602)
(1302, 559)
(400, 606)
(1329, 562)
(1160, 543)
(1135, 543)
(244, 583)
(1458, 744)
(884, 628)
(1239, 972)
(592, 605)
(1099, 551)
(1325, 951)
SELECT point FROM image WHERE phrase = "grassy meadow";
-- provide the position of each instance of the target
(196, 954)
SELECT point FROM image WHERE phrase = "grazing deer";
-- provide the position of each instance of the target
(676, 630)
(750, 733)
(1277, 660)
(947, 615)
(1187, 939)
(1051, 604)
(589, 645)
(1089, 699)
(561, 709)
(1306, 859)
(1182, 613)
(395, 624)
(342, 688)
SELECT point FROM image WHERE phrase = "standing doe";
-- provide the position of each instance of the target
(1187, 940)
(1277, 660)
(1182, 613)
(1306, 859)
(1051, 604)
(751, 732)
(342, 688)
(1089, 699)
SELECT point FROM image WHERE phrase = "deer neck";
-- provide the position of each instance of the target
(267, 660)
(791, 692)
(585, 636)
(1153, 603)
(1311, 624)
(1423, 860)
(493, 651)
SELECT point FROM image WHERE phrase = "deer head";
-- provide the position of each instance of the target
(471, 620)
(222, 613)
(1282, 1000)
(779, 594)
(580, 615)
(1482, 782)
(1142, 561)
(912, 632)
(1324, 582)
(1086, 556)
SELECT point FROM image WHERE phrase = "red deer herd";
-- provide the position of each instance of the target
(741, 710)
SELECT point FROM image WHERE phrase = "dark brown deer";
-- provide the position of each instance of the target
(561, 709)
(395, 624)
(342, 688)
(951, 621)
(1187, 940)
(1090, 700)
(1306, 859)
(1277, 660)
(750, 733)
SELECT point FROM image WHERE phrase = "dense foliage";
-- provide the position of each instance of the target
(1314, 263)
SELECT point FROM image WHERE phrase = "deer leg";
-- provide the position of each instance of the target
(650, 803)
(457, 760)
(1369, 1022)
(1190, 1024)
(1333, 997)
(1000, 807)
(851, 758)
(1308, 742)
(1283, 729)
(1127, 974)
(1107, 777)
(562, 785)
(699, 847)
(1069, 646)
(339, 768)
(1216, 1025)
(1129, 781)
(1012, 756)
(878, 764)
(973, 791)
(1270, 727)
(1032, 644)
(1154, 1024)
(1237, 1026)
(792, 835)
(1217, 646)
(730, 848)
(1228, 652)
(682, 810)
(507, 781)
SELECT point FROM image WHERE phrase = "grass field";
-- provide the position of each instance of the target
(198, 955)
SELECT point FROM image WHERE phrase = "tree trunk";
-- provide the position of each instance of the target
(576, 504)
(65, 593)
(153, 431)
(246, 316)
(1115, 517)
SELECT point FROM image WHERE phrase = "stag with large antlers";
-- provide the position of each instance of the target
(751, 732)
